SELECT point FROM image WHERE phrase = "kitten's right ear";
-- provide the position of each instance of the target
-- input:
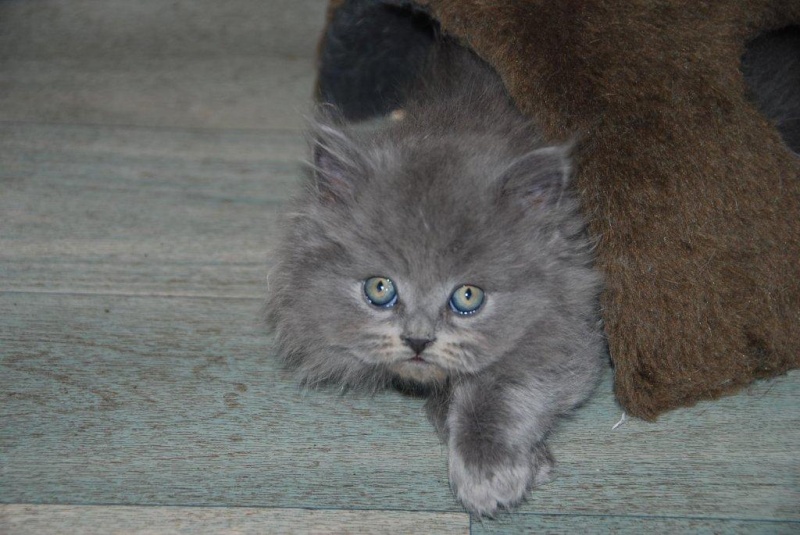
(538, 178)
(337, 164)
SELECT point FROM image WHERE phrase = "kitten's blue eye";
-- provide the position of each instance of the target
(380, 291)
(467, 299)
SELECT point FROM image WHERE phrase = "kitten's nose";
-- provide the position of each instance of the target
(417, 344)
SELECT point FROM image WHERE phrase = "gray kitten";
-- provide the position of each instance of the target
(445, 251)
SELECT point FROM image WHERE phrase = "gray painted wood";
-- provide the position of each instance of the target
(193, 63)
(115, 29)
(94, 520)
(142, 210)
(176, 401)
(627, 525)
(239, 92)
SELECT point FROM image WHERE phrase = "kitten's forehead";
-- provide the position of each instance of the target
(428, 212)
(440, 190)
(426, 221)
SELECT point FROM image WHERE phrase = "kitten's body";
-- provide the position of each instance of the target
(459, 192)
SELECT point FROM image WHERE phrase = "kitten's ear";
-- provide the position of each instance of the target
(538, 178)
(337, 164)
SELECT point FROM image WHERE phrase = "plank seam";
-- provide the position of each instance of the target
(161, 128)
(405, 510)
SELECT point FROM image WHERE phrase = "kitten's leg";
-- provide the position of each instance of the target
(496, 443)
(437, 406)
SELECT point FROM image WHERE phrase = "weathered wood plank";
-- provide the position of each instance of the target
(629, 525)
(119, 29)
(224, 92)
(141, 210)
(91, 520)
(738, 457)
(157, 401)
(175, 401)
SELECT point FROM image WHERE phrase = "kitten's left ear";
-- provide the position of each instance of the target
(337, 164)
(538, 178)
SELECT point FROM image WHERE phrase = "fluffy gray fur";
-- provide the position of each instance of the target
(460, 191)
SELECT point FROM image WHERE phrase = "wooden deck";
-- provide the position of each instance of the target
(145, 155)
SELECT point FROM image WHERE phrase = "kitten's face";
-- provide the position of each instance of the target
(419, 334)
(411, 263)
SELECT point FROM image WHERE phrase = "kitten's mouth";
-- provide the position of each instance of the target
(419, 370)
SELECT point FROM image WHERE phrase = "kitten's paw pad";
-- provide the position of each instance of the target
(484, 491)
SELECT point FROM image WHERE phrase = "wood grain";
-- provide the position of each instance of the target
(630, 525)
(120, 29)
(96, 520)
(235, 93)
(176, 401)
(142, 210)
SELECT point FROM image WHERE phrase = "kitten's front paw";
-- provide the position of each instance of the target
(485, 489)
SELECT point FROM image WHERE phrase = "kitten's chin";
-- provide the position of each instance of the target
(419, 371)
